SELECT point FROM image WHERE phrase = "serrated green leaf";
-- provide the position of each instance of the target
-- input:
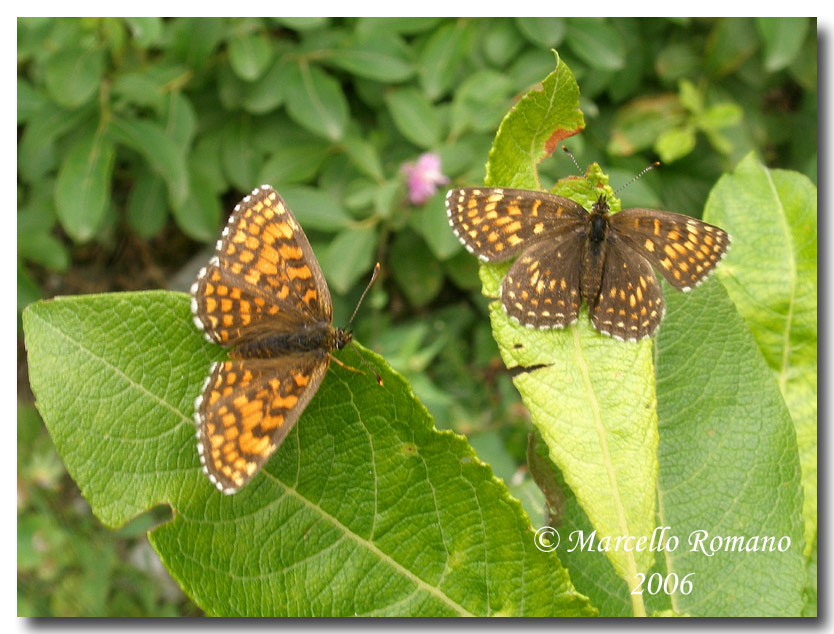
(771, 275)
(82, 190)
(250, 54)
(378, 514)
(378, 56)
(159, 150)
(73, 75)
(546, 32)
(783, 38)
(415, 116)
(315, 101)
(596, 42)
(441, 58)
(533, 129)
(348, 256)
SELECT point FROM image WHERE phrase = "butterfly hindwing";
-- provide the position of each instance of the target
(683, 249)
(541, 289)
(630, 302)
(247, 408)
(497, 223)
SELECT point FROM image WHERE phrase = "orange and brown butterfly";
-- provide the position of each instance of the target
(264, 296)
(567, 254)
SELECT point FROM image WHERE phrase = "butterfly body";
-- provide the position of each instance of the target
(567, 254)
(263, 296)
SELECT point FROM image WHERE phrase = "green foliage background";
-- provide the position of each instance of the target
(137, 136)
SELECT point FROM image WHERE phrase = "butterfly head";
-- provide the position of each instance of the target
(601, 206)
(341, 338)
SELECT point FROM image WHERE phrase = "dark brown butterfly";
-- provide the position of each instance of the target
(568, 254)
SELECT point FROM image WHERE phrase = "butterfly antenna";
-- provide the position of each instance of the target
(355, 310)
(575, 162)
(365, 292)
(645, 169)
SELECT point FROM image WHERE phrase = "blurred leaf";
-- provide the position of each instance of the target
(771, 275)
(200, 216)
(675, 143)
(315, 101)
(415, 117)
(29, 101)
(348, 257)
(316, 209)
(250, 54)
(501, 42)
(239, 156)
(403, 479)
(180, 120)
(147, 31)
(480, 102)
(82, 191)
(36, 150)
(420, 278)
(731, 42)
(303, 24)
(266, 94)
(545, 32)
(431, 221)
(596, 43)
(403, 25)
(538, 123)
(147, 205)
(379, 56)
(44, 249)
(363, 155)
(293, 163)
(73, 75)
(193, 40)
(441, 58)
(161, 152)
(677, 60)
(638, 124)
(722, 115)
(783, 37)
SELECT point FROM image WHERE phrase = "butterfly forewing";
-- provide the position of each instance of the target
(263, 276)
(541, 289)
(246, 410)
(630, 303)
(683, 249)
(496, 223)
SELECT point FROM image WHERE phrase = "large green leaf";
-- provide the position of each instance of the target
(315, 101)
(366, 509)
(771, 275)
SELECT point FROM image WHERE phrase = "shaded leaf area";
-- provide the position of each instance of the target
(728, 466)
(771, 275)
(366, 509)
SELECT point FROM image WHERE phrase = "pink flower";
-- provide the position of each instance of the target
(423, 177)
